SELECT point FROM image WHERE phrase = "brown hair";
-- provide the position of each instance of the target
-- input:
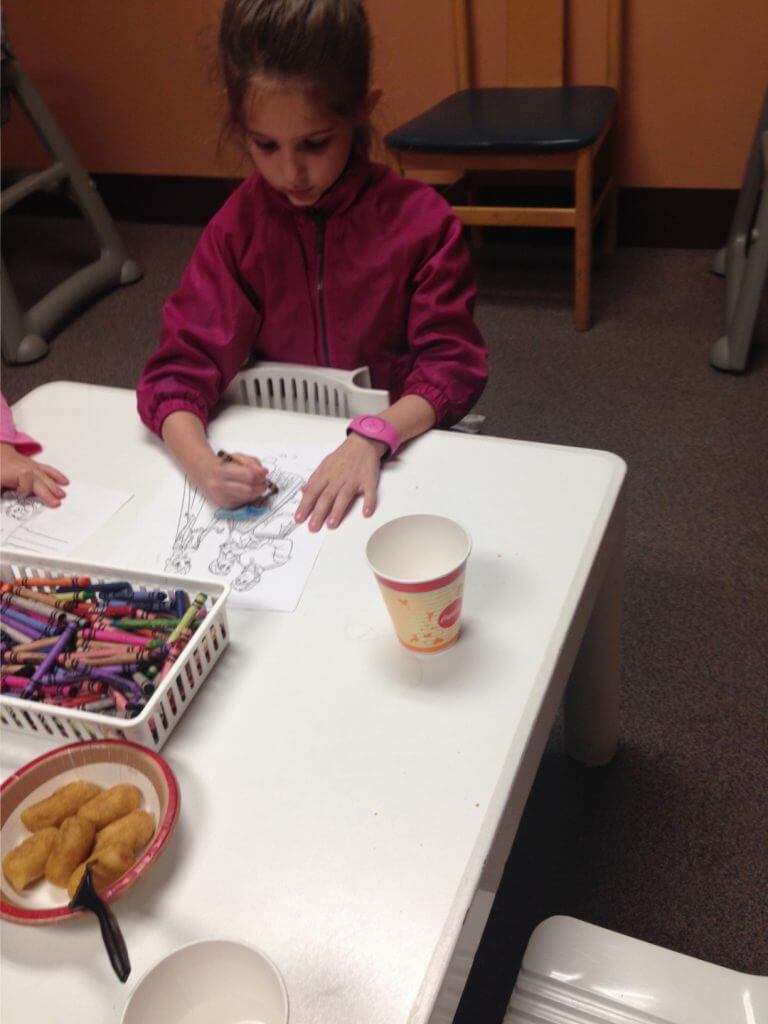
(325, 43)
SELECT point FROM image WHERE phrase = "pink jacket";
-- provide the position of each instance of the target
(23, 443)
(375, 274)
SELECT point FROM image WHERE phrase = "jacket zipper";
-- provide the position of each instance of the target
(320, 250)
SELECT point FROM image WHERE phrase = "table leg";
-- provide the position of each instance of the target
(592, 694)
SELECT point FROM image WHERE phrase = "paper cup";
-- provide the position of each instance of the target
(419, 563)
(214, 981)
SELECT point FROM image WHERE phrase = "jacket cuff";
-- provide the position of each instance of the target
(165, 408)
(23, 443)
(436, 399)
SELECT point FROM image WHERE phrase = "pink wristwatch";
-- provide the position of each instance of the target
(376, 429)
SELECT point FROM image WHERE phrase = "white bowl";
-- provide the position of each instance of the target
(212, 981)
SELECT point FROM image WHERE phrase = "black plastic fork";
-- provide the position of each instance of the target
(86, 898)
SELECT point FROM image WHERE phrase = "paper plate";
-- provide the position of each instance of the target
(105, 763)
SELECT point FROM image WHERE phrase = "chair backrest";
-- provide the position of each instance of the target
(318, 390)
(535, 43)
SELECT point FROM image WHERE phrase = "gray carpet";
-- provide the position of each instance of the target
(670, 843)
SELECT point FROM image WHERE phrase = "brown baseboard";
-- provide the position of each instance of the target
(667, 217)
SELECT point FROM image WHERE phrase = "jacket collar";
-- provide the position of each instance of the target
(341, 195)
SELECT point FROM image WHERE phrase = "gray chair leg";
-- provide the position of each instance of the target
(746, 256)
(23, 332)
(718, 263)
(19, 344)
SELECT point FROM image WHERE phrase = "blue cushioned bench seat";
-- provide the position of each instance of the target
(519, 120)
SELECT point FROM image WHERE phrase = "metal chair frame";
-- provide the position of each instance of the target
(24, 332)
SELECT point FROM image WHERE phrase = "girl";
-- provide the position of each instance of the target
(321, 258)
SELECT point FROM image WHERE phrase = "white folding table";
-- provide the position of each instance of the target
(345, 803)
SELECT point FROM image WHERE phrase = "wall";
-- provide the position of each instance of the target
(132, 86)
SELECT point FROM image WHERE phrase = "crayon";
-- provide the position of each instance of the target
(117, 587)
(54, 600)
(36, 645)
(16, 657)
(189, 616)
(24, 620)
(113, 635)
(104, 704)
(40, 608)
(87, 702)
(166, 625)
(61, 644)
(42, 581)
(146, 684)
(21, 634)
(48, 691)
(129, 708)
(100, 647)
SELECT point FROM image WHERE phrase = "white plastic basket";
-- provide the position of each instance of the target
(173, 695)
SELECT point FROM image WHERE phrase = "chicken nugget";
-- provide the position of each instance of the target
(72, 844)
(26, 862)
(59, 805)
(134, 829)
(106, 867)
(110, 805)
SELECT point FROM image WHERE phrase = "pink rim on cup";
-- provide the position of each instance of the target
(419, 563)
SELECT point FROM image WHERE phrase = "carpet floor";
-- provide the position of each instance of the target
(670, 842)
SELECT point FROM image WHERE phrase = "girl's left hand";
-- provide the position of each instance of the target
(352, 470)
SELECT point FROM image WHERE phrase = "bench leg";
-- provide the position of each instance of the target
(583, 241)
(611, 212)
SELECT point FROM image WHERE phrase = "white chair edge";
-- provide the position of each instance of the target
(593, 975)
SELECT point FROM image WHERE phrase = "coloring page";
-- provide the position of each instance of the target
(29, 525)
(259, 549)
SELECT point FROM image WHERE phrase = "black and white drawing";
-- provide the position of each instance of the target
(245, 543)
(259, 550)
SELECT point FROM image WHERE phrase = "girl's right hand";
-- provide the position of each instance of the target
(230, 481)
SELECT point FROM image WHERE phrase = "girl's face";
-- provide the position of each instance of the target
(299, 146)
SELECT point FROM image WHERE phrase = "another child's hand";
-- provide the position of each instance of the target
(26, 476)
(230, 481)
(352, 470)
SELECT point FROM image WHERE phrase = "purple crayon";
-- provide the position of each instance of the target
(21, 634)
(61, 644)
(44, 611)
(26, 620)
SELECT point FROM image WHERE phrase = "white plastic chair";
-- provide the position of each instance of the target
(313, 389)
(320, 390)
(576, 972)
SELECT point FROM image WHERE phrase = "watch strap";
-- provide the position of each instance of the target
(376, 429)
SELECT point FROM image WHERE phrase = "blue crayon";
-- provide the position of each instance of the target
(180, 603)
(113, 588)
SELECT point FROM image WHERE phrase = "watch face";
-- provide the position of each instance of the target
(372, 424)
